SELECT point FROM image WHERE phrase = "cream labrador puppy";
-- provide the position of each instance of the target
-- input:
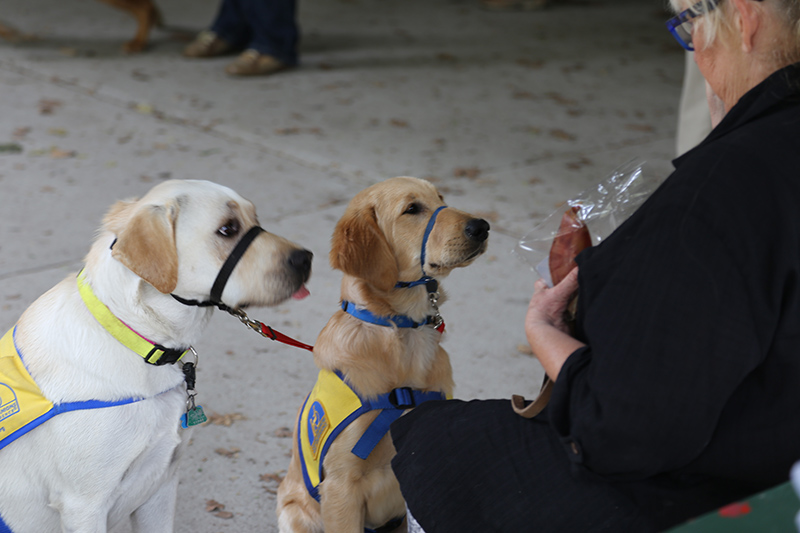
(93, 395)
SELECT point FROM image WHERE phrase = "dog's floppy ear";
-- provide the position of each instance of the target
(359, 248)
(146, 245)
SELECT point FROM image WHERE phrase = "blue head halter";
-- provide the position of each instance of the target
(431, 284)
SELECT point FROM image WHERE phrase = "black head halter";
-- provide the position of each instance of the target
(225, 272)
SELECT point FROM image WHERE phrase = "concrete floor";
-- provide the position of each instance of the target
(509, 114)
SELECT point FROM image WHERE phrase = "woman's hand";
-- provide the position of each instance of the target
(547, 306)
(545, 327)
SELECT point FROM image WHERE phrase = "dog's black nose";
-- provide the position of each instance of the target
(477, 229)
(300, 262)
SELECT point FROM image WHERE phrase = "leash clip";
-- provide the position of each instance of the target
(194, 414)
(255, 325)
(436, 319)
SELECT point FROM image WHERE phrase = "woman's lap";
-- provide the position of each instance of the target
(478, 466)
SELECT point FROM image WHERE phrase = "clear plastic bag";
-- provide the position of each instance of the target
(602, 209)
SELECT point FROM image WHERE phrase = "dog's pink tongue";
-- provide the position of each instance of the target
(301, 293)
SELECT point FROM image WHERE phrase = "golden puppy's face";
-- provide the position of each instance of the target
(381, 234)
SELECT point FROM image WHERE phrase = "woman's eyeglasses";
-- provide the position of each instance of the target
(680, 26)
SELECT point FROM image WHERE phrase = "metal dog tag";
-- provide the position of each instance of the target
(193, 417)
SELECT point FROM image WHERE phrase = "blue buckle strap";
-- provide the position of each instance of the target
(400, 321)
(402, 398)
(375, 432)
(393, 404)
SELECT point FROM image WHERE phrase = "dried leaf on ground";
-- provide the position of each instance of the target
(14, 35)
(297, 131)
(397, 123)
(58, 153)
(49, 106)
(560, 98)
(524, 95)
(10, 148)
(524, 349)
(232, 452)
(466, 172)
(579, 164)
(644, 128)
(224, 514)
(283, 433)
(562, 135)
(226, 419)
(277, 478)
(214, 505)
(531, 63)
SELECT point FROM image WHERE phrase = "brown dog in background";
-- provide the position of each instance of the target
(380, 240)
(145, 12)
(147, 16)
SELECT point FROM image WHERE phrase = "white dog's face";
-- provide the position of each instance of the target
(178, 236)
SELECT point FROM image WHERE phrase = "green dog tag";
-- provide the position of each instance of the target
(193, 417)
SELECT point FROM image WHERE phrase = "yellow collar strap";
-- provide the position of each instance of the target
(155, 354)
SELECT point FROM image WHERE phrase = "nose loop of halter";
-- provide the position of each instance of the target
(427, 234)
(225, 272)
(425, 279)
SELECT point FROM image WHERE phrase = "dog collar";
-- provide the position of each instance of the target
(225, 272)
(154, 354)
(400, 321)
(430, 284)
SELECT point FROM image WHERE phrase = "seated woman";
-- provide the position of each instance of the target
(680, 390)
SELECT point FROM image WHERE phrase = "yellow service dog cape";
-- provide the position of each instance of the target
(22, 404)
(331, 406)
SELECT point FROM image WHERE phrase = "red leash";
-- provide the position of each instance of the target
(270, 333)
(266, 331)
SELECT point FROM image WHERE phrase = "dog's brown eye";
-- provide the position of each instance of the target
(413, 209)
(229, 229)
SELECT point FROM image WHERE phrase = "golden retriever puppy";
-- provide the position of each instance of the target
(378, 356)
(95, 380)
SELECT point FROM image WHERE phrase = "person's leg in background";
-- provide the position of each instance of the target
(229, 32)
(274, 38)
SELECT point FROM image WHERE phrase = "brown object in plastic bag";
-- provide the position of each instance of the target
(572, 238)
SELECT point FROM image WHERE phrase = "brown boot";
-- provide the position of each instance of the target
(207, 44)
(252, 63)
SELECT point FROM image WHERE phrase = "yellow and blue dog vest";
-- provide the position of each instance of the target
(23, 407)
(22, 404)
(331, 406)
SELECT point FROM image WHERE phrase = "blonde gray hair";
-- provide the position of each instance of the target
(786, 11)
